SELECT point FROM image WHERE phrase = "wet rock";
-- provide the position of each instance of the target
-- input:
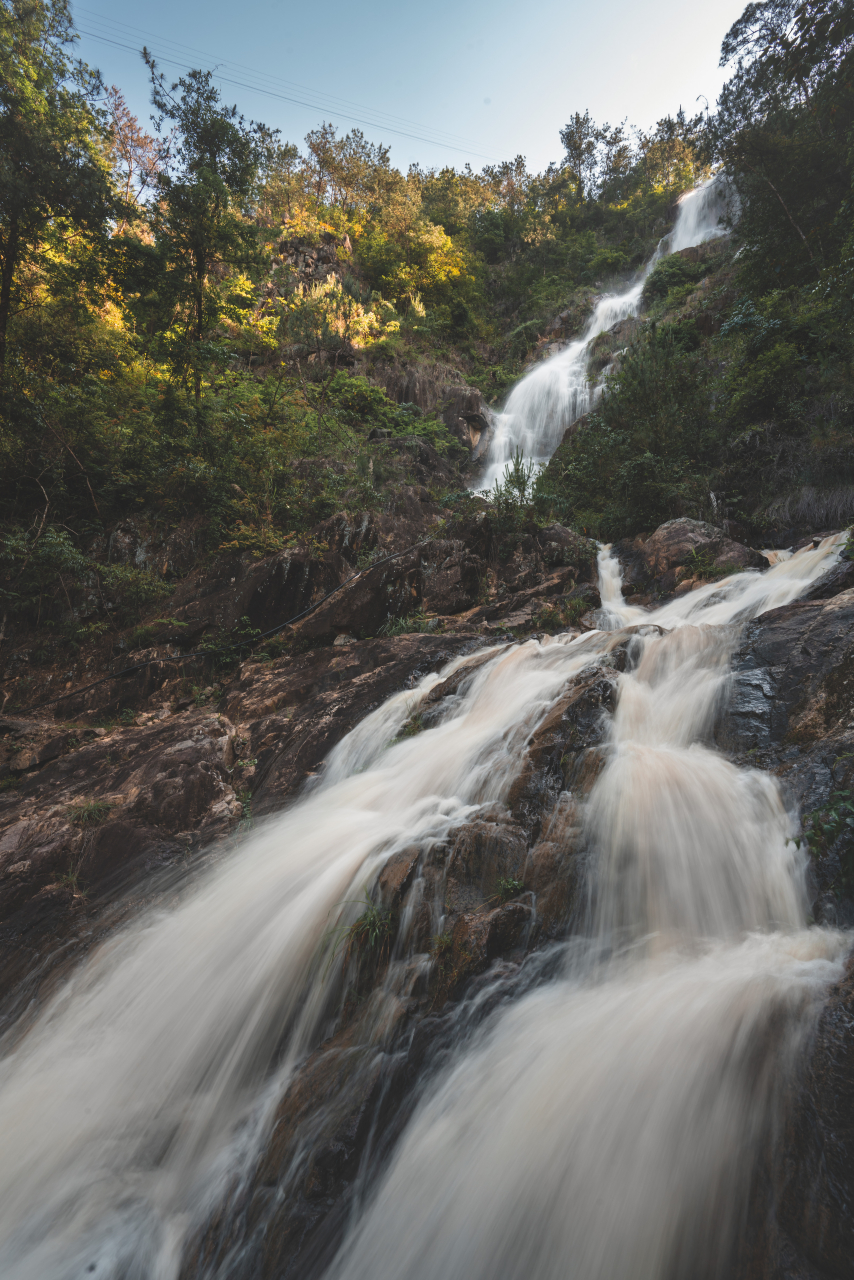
(291, 1216)
(455, 685)
(837, 579)
(80, 830)
(397, 875)
(553, 875)
(483, 855)
(557, 752)
(791, 710)
(674, 542)
(801, 1219)
(793, 677)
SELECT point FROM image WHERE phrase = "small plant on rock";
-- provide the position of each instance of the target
(370, 936)
(508, 888)
(824, 827)
(72, 880)
(412, 727)
(417, 623)
(441, 944)
(702, 565)
(90, 813)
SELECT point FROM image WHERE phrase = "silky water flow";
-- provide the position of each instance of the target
(558, 391)
(604, 1125)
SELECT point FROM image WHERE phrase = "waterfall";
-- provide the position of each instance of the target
(603, 1127)
(558, 391)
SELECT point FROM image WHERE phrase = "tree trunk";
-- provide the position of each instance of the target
(200, 322)
(10, 259)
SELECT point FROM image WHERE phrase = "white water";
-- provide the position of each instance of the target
(604, 1128)
(558, 391)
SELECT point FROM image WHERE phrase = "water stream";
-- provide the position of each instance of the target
(604, 1126)
(556, 392)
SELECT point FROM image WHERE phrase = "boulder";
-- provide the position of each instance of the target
(379, 594)
(439, 389)
(651, 565)
(837, 579)
(673, 544)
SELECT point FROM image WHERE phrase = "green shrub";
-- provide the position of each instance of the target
(90, 813)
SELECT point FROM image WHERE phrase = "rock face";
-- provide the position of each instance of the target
(89, 817)
(476, 904)
(440, 389)
(355, 574)
(679, 553)
(309, 264)
(790, 710)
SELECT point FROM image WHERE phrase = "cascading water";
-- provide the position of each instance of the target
(605, 1126)
(557, 392)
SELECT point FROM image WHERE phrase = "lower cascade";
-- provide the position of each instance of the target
(605, 1120)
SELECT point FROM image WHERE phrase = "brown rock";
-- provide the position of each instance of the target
(672, 544)
(398, 873)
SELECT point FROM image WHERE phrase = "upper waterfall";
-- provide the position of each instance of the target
(558, 391)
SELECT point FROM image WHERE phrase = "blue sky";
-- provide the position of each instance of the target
(440, 83)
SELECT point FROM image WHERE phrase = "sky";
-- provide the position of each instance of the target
(444, 83)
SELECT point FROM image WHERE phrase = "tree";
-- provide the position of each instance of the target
(135, 154)
(671, 154)
(283, 186)
(783, 131)
(206, 193)
(52, 165)
(580, 138)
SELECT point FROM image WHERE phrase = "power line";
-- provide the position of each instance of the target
(312, 106)
(324, 99)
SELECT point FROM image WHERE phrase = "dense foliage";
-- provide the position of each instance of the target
(737, 400)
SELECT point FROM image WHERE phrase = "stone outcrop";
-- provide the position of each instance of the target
(476, 903)
(307, 264)
(440, 390)
(791, 710)
(566, 325)
(680, 553)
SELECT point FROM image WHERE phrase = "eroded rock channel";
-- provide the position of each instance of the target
(318, 903)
